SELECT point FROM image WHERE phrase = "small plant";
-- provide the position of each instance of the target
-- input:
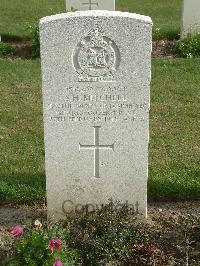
(35, 41)
(35, 35)
(108, 235)
(6, 49)
(160, 34)
(112, 233)
(42, 246)
(188, 47)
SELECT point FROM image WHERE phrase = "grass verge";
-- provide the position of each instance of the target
(174, 134)
(22, 157)
(166, 15)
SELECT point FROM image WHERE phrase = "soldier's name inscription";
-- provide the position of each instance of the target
(113, 107)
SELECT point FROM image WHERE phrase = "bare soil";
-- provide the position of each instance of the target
(174, 227)
(23, 51)
(160, 48)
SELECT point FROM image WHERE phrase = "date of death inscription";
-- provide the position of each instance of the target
(85, 105)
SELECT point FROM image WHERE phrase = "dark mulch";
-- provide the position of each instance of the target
(174, 226)
(161, 49)
(23, 51)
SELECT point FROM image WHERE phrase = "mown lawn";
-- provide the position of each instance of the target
(17, 15)
(174, 133)
(21, 147)
(174, 171)
(166, 14)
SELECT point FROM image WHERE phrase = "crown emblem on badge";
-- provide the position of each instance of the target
(96, 57)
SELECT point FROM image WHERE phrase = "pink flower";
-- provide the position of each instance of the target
(55, 242)
(16, 231)
(57, 263)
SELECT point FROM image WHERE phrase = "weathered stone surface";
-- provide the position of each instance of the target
(190, 17)
(83, 5)
(96, 80)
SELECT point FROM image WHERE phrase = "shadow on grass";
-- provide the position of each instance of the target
(166, 35)
(13, 38)
(29, 188)
(172, 189)
(21, 188)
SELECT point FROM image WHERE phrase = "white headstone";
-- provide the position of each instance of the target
(83, 5)
(190, 18)
(96, 94)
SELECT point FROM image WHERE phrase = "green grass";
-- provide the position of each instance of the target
(17, 15)
(22, 175)
(6, 49)
(166, 14)
(174, 139)
(174, 133)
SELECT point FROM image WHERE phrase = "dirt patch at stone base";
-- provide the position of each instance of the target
(159, 49)
(174, 227)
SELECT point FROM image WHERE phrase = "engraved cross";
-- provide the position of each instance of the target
(90, 4)
(96, 147)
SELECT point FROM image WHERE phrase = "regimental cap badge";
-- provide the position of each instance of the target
(96, 57)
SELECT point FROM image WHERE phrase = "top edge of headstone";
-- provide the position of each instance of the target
(96, 13)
